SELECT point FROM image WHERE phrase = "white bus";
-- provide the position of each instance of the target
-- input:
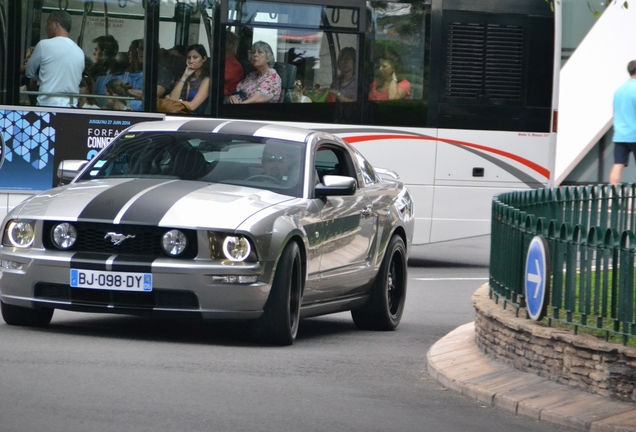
(477, 116)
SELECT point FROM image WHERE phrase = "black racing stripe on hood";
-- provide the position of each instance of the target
(107, 204)
(151, 207)
(135, 264)
(89, 261)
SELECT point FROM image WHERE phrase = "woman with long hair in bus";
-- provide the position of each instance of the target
(388, 86)
(193, 86)
(264, 84)
(117, 87)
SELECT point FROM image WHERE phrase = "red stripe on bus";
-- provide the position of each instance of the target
(534, 166)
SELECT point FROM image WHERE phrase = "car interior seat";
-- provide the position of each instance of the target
(287, 73)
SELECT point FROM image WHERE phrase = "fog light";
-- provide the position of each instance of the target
(10, 265)
(64, 235)
(236, 279)
(174, 242)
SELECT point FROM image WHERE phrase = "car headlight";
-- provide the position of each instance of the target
(64, 235)
(236, 248)
(19, 233)
(174, 242)
(233, 247)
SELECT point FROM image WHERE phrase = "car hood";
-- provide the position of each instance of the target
(175, 203)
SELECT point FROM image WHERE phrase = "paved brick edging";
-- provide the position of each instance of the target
(580, 361)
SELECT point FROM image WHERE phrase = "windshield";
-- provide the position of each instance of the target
(263, 163)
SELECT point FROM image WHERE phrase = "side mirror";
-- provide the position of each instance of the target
(333, 185)
(69, 169)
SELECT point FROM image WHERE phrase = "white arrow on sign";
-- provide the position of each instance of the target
(536, 278)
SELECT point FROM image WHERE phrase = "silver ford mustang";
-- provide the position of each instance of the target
(215, 220)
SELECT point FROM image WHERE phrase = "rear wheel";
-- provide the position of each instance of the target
(21, 316)
(279, 323)
(383, 310)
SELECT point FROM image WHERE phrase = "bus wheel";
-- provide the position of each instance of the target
(21, 316)
(383, 310)
(279, 323)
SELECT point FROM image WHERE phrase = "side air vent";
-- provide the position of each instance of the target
(484, 62)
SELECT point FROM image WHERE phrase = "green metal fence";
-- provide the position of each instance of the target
(591, 236)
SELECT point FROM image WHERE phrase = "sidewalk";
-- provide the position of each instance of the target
(456, 362)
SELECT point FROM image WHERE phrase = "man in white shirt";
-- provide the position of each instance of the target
(57, 63)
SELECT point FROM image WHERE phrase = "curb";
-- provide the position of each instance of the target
(456, 362)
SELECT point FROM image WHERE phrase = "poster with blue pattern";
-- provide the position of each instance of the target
(37, 140)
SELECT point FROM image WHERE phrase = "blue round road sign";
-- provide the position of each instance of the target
(537, 278)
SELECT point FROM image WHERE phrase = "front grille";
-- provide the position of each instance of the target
(91, 237)
(158, 298)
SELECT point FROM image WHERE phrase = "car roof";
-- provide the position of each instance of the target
(227, 127)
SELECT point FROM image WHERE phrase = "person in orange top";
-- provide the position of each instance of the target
(387, 86)
(234, 72)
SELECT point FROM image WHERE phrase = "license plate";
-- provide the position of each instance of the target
(109, 280)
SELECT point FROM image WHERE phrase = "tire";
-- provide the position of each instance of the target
(21, 316)
(383, 310)
(279, 323)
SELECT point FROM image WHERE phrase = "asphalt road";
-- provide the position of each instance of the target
(115, 373)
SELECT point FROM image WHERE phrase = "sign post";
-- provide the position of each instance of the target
(537, 278)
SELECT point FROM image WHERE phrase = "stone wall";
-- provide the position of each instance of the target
(581, 361)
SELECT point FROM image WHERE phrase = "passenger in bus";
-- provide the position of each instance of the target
(234, 72)
(87, 87)
(298, 93)
(388, 86)
(264, 84)
(173, 59)
(345, 87)
(105, 51)
(165, 80)
(133, 57)
(26, 81)
(194, 85)
(117, 87)
(57, 63)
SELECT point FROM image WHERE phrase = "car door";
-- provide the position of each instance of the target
(347, 229)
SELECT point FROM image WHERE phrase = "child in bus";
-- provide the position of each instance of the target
(87, 87)
(193, 86)
(117, 87)
(387, 86)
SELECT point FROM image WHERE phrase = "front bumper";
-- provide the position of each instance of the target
(41, 278)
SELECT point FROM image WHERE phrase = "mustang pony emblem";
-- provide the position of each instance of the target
(117, 238)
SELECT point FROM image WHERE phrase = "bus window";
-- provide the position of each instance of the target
(398, 72)
(306, 41)
(184, 54)
(108, 34)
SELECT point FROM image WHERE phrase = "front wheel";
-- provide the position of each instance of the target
(383, 310)
(279, 323)
(21, 316)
